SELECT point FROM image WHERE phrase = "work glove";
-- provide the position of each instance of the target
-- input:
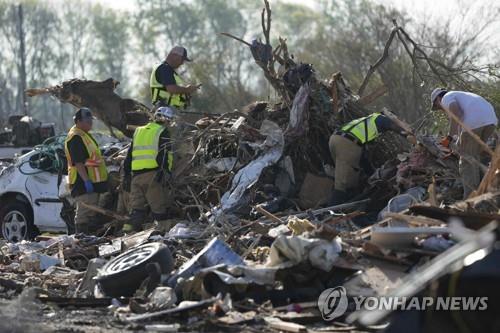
(411, 139)
(445, 142)
(89, 187)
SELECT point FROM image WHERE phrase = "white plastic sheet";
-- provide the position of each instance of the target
(271, 151)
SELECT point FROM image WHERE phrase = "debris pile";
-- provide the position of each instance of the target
(253, 243)
(268, 273)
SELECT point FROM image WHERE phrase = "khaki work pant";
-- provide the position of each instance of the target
(145, 191)
(347, 156)
(469, 147)
(83, 215)
(122, 207)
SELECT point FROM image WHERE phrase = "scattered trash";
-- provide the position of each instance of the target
(436, 243)
(287, 251)
(234, 317)
(401, 237)
(37, 262)
(403, 201)
(86, 288)
(250, 238)
(215, 252)
(181, 230)
(163, 328)
(162, 297)
(275, 232)
(299, 226)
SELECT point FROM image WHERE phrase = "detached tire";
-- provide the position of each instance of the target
(16, 221)
(123, 275)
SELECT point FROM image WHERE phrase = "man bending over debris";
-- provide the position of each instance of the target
(87, 173)
(347, 146)
(166, 85)
(150, 160)
(479, 116)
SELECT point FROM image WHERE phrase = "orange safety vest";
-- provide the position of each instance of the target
(96, 168)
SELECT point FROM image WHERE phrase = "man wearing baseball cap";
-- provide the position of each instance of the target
(167, 87)
(87, 173)
(150, 160)
(478, 115)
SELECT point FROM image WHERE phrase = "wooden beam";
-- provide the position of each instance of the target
(416, 220)
(270, 216)
(374, 95)
(404, 125)
(104, 211)
(471, 133)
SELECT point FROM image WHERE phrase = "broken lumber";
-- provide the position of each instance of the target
(270, 216)
(488, 180)
(437, 267)
(104, 211)
(286, 326)
(416, 220)
(174, 310)
(336, 207)
(471, 220)
(398, 121)
(466, 128)
(371, 97)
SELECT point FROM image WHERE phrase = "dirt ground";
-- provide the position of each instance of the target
(26, 314)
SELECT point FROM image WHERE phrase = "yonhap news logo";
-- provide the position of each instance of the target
(333, 303)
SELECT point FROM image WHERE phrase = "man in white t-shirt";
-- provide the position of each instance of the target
(478, 115)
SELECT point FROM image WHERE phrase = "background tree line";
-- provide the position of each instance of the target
(80, 39)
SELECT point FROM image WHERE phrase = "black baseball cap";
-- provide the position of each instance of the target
(180, 51)
(83, 114)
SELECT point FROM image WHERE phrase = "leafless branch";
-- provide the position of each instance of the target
(234, 37)
(379, 62)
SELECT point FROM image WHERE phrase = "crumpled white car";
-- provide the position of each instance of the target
(30, 196)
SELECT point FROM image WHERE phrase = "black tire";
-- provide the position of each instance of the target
(15, 210)
(123, 275)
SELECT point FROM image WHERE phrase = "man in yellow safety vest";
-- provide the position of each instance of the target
(87, 173)
(150, 160)
(347, 146)
(167, 87)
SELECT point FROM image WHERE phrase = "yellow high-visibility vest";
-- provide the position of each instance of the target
(96, 168)
(158, 91)
(145, 147)
(364, 129)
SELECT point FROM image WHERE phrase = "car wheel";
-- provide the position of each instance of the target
(123, 275)
(17, 222)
